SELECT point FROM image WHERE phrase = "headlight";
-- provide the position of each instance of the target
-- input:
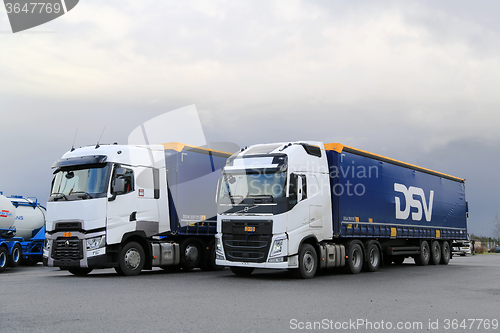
(47, 244)
(95, 243)
(218, 245)
(277, 247)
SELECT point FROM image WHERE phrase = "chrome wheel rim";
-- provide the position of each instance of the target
(425, 252)
(356, 258)
(191, 253)
(15, 254)
(3, 259)
(374, 257)
(308, 262)
(132, 258)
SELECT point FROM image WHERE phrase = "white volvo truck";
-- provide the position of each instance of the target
(306, 206)
(133, 208)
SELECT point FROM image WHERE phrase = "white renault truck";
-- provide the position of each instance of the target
(306, 206)
(133, 208)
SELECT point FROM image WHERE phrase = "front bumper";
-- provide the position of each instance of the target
(291, 262)
(69, 249)
(94, 262)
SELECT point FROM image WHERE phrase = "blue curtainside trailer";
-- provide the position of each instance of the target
(374, 196)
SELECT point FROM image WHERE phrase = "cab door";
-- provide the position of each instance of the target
(122, 204)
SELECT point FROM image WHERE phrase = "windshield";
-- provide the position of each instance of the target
(80, 183)
(237, 187)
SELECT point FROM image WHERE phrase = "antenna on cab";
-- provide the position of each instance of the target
(74, 139)
(97, 145)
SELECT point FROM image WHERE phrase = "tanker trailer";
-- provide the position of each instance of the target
(30, 226)
(21, 218)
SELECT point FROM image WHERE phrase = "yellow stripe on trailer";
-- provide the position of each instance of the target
(339, 148)
(178, 146)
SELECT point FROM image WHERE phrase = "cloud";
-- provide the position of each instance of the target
(401, 79)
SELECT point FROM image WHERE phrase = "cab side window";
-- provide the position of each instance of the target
(292, 199)
(297, 190)
(304, 187)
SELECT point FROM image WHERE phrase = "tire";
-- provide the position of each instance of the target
(4, 258)
(445, 253)
(16, 256)
(80, 271)
(435, 253)
(423, 258)
(241, 271)
(373, 257)
(131, 260)
(191, 253)
(354, 262)
(308, 262)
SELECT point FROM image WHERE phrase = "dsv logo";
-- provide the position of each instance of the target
(410, 201)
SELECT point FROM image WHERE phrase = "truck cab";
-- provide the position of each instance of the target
(260, 194)
(101, 196)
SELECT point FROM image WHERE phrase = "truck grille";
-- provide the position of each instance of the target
(247, 241)
(67, 248)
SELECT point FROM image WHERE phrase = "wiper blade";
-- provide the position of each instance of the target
(85, 195)
(236, 198)
(58, 196)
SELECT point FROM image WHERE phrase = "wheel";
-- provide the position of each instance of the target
(398, 260)
(209, 263)
(354, 258)
(373, 257)
(4, 255)
(242, 271)
(191, 253)
(422, 259)
(15, 257)
(435, 253)
(131, 259)
(445, 253)
(79, 271)
(308, 262)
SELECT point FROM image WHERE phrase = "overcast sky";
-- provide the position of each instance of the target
(415, 80)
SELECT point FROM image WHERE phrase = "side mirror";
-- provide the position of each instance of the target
(119, 186)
